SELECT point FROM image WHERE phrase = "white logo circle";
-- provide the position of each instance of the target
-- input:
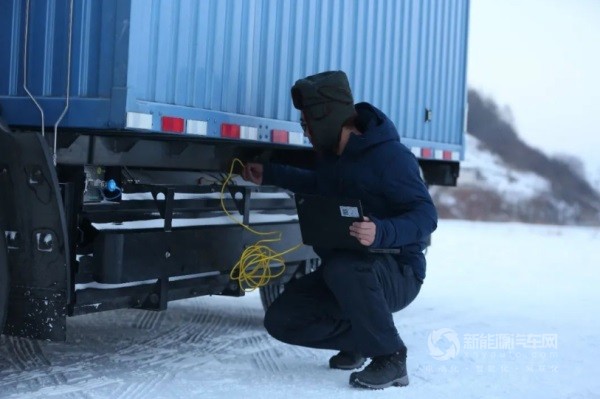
(446, 351)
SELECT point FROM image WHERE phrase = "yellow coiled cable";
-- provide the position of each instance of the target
(253, 269)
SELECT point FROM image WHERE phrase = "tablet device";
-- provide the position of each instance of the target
(325, 221)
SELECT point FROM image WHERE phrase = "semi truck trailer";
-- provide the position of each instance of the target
(120, 120)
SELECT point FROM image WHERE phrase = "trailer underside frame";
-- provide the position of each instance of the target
(62, 264)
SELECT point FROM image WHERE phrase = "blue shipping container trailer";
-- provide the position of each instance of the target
(120, 119)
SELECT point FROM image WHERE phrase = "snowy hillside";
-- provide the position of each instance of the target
(489, 189)
(485, 169)
(507, 311)
(568, 196)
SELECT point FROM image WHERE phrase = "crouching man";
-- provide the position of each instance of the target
(347, 303)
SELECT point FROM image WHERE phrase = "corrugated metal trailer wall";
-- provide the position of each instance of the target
(98, 69)
(240, 57)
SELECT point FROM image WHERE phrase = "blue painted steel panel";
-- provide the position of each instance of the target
(100, 40)
(235, 60)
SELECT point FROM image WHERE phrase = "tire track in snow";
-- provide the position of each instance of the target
(165, 343)
(211, 323)
(143, 388)
(224, 330)
(148, 356)
(245, 320)
(149, 319)
(301, 352)
(77, 395)
(250, 319)
(62, 390)
(84, 366)
(167, 346)
(26, 353)
(264, 356)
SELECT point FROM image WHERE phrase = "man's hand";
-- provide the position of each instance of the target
(253, 172)
(364, 231)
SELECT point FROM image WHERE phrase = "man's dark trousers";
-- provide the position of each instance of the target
(346, 304)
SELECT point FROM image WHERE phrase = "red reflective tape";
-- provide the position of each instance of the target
(447, 155)
(172, 124)
(426, 153)
(279, 136)
(230, 131)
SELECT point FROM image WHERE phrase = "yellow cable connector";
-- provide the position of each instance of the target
(253, 269)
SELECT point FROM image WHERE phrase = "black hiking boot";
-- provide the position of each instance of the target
(347, 361)
(383, 371)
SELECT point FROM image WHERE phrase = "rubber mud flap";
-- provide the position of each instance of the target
(4, 284)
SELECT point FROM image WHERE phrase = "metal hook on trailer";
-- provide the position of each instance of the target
(68, 82)
(25, 67)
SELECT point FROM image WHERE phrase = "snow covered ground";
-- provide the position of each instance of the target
(507, 311)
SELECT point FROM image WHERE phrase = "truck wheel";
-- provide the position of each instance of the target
(269, 293)
(4, 285)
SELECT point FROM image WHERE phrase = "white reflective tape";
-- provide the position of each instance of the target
(136, 120)
(455, 156)
(296, 138)
(438, 154)
(197, 127)
(306, 141)
(248, 133)
(416, 151)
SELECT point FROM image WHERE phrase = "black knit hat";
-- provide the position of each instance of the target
(326, 101)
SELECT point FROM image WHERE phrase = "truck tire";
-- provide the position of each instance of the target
(269, 293)
(4, 284)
